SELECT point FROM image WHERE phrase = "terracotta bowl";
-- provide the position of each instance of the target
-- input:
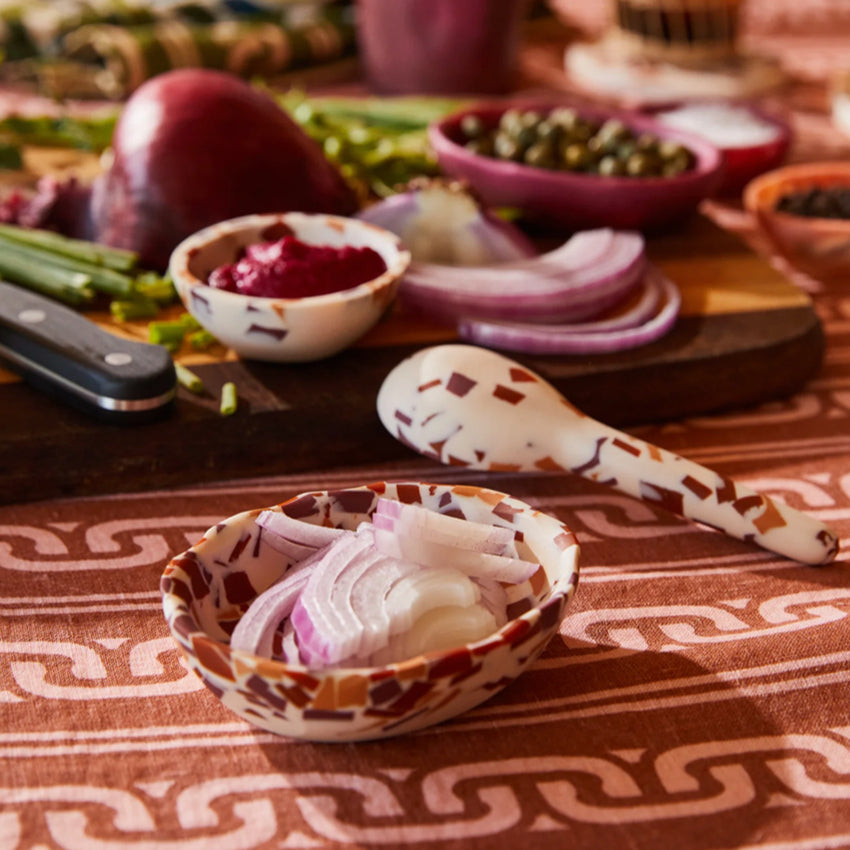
(207, 588)
(285, 329)
(818, 246)
(578, 201)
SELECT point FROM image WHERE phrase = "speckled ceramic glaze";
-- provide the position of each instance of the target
(207, 588)
(285, 329)
(467, 406)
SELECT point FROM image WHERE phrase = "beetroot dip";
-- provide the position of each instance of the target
(290, 268)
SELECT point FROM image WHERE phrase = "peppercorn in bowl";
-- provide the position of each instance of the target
(804, 210)
(336, 616)
(577, 168)
(288, 286)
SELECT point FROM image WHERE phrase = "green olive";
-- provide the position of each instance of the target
(639, 164)
(611, 166)
(541, 155)
(646, 142)
(510, 120)
(671, 166)
(472, 126)
(563, 116)
(614, 129)
(482, 147)
(506, 147)
(577, 157)
(526, 135)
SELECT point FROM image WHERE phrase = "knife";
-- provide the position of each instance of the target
(60, 351)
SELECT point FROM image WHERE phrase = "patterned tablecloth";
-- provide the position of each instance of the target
(696, 696)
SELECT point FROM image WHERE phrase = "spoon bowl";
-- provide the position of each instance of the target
(468, 406)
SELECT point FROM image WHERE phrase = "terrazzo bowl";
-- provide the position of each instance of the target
(579, 201)
(207, 588)
(817, 246)
(285, 329)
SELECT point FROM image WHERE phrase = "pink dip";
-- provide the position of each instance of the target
(289, 268)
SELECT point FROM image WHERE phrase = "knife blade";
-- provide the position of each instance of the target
(60, 351)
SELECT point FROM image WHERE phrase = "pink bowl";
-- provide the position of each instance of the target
(575, 201)
(743, 163)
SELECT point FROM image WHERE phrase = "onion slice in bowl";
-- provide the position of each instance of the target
(407, 582)
(539, 338)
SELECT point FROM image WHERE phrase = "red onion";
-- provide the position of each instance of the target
(442, 528)
(410, 533)
(256, 628)
(589, 338)
(444, 583)
(592, 271)
(440, 222)
(195, 146)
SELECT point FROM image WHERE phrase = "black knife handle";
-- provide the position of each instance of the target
(62, 352)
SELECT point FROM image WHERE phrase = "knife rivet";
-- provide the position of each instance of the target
(118, 358)
(32, 316)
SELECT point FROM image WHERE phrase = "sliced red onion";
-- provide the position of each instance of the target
(416, 547)
(494, 598)
(599, 268)
(255, 630)
(289, 651)
(414, 533)
(286, 529)
(442, 528)
(327, 626)
(536, 338)
(438, 629)
(350, 603)
(441, 222)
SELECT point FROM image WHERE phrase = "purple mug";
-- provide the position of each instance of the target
(448, 47)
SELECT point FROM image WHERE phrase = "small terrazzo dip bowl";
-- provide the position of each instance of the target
(207, 588)
(817, 246)
(285, 329)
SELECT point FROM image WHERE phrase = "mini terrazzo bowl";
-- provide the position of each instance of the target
(576, 200)
(285, 329)
(207, 588)
(818, 246)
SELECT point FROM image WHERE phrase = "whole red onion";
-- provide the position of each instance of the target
(195, 146)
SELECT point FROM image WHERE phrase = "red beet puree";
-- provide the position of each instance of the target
(289, 268)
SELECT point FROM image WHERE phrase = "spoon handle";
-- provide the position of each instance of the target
(686, 488)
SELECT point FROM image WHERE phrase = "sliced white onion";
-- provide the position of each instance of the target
(538, 338)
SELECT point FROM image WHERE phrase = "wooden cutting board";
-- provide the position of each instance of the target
(746, 335)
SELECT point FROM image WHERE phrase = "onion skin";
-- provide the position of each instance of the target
(193, 147)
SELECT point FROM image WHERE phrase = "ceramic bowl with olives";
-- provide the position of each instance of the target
(577, 168)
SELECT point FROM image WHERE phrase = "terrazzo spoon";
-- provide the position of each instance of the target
(468, 406)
